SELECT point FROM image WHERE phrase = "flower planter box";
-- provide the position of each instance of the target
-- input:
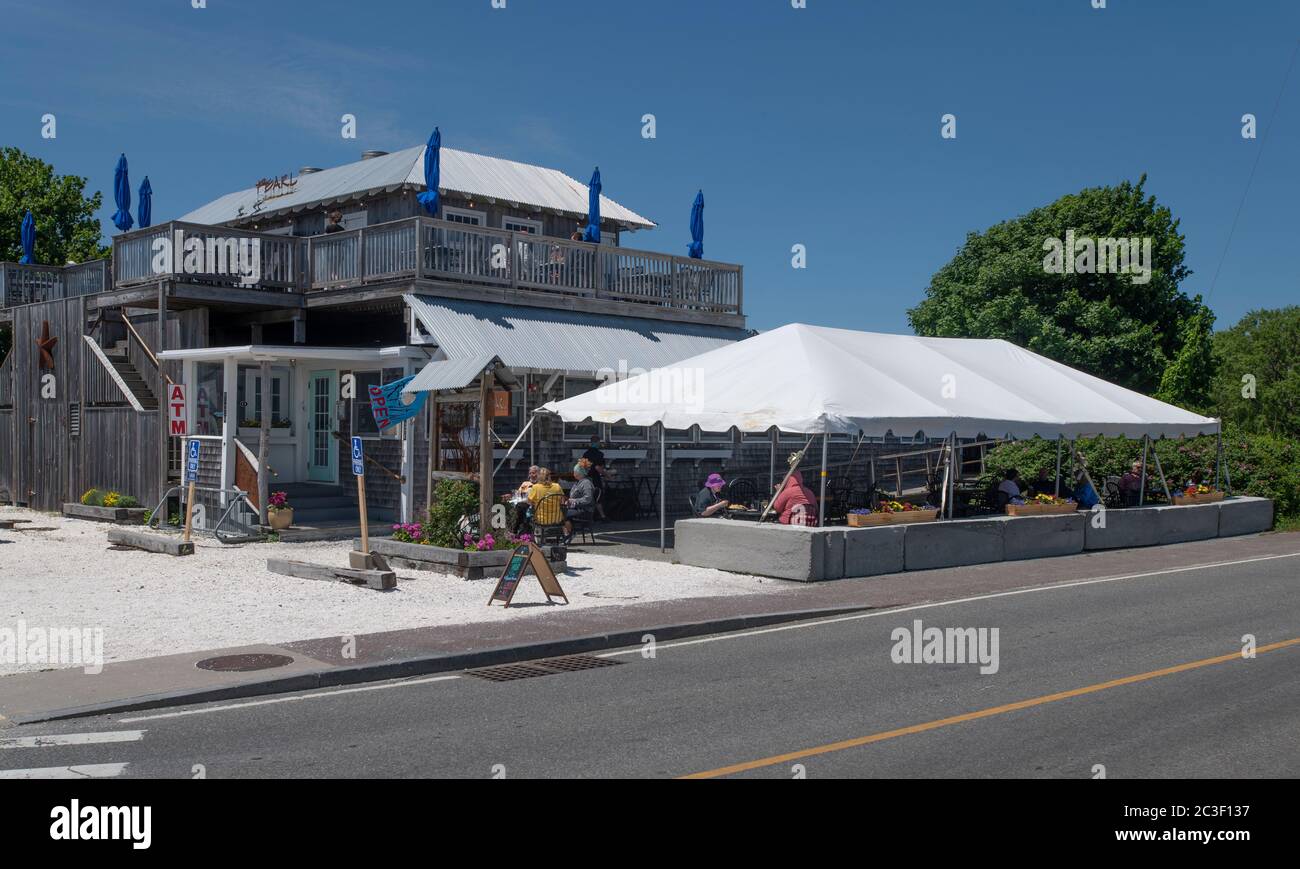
(116, 515)
(864, 520)
(1181, 500)
(455, 562)
(1041, 509)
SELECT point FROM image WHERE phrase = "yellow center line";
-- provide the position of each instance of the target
(982, 713)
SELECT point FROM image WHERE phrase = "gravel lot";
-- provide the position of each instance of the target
(149, 604)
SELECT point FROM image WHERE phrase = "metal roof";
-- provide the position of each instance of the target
(461, 172)
(472, 333)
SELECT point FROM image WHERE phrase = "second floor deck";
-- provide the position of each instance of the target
(421, 248)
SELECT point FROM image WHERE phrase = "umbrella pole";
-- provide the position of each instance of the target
(821, 502)
(1058, 464)
(663, 505)
(1142, 488)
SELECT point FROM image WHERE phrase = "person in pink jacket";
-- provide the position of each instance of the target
(796, 504)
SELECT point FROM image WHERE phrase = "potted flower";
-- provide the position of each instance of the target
(279, 513)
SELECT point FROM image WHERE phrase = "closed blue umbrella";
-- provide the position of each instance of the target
(432, 173)
(29, 238)
(592, 233)
(144, 211)
(696, 248)
(122, 196)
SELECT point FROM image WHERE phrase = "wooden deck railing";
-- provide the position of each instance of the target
(222, 256)
(419, 248)
(24, 284)
(423, 248)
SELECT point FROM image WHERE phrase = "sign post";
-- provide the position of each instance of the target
(359, 471)
(191, 475)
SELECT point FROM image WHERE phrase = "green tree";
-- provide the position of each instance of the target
(997, 286)
(1187, 378)
(1258, 382)
(66, 226)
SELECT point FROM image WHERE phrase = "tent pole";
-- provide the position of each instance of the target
(821, 501)
(947, 474)
(663, 504)
(952, 477)
(1164, 484)
(1059, 438)
(1142, 488)
(771, 465)
(1218, 455)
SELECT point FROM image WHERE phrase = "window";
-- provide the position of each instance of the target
(363, 420)
(580, 431)
(520, 224)
(250, 398)
(459, 215)
(630, 433)
(209, 398)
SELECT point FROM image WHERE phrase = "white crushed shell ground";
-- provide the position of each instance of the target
(149, 604)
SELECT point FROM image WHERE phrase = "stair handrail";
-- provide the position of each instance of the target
(145, 346)
(398, 477)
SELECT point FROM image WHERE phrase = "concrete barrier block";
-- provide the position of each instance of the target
(873, 551)
(1192, 522)
(781, 551)
(1122, 528)
(1244, 515)
(1043, 536)
(928, 545)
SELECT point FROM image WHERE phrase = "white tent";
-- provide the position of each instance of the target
(818, 380)
(814, 379)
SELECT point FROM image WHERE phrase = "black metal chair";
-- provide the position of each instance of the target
(1114, 497)
(743, 491)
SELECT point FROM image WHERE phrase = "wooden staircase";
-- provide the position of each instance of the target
(135, 382)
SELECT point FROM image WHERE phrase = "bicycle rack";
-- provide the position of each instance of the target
(230, 526)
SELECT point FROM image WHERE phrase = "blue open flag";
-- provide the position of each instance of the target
(387, 406)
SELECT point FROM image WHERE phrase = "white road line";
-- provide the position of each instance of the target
(636, 650)
(411, 683)
(72, 739)
(85, 770)
(290, 699)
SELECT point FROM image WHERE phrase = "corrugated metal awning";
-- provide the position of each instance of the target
(471, 334)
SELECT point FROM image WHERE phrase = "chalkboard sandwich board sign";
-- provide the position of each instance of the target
(527, 556)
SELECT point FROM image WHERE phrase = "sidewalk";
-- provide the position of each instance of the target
(319, 662)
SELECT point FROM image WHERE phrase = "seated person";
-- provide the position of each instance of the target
(1130, 485)
(1009, 487)
(581, 501)
(549, 514)
(1043, 484)
(707, 502)
(519, 499)
(795, 504)
(1084, 494)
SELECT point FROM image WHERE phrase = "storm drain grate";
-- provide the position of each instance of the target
(243, 663)
(511, 672)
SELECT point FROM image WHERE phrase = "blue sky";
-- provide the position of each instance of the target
(817, 126)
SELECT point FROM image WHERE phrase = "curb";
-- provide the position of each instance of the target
(423, 665)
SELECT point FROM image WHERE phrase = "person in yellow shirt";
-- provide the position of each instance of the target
(551, 513)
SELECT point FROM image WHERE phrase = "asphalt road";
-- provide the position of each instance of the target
(820, 699)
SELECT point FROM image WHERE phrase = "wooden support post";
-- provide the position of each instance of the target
(365, 522)
(189, 510)
(484, 453)
(264, 446)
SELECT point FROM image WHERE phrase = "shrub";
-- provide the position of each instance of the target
(112, 499)
(93, 498)
(1266, 466)
(452, 501)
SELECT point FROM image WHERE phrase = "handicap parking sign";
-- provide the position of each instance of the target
(358, 459)
(192, 464)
